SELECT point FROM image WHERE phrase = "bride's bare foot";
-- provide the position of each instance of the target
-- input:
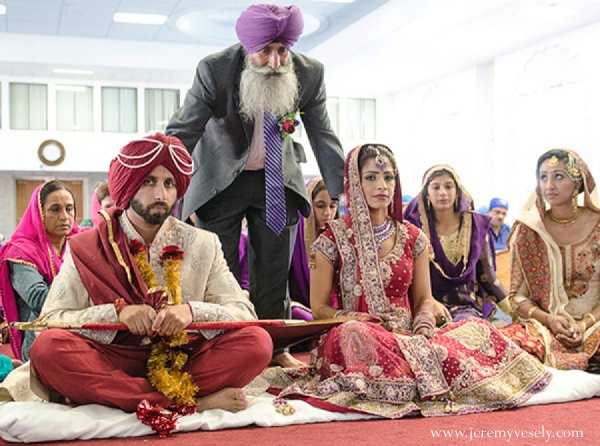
(286, 360)
(229, 398)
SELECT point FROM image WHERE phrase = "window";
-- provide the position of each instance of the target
(333, 110)
(360, 117)
(74, 108)
(28, 106)
(160, 105)
(119, 109)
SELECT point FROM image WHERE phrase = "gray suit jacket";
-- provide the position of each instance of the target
(210, 125)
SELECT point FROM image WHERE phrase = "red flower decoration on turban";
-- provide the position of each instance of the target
(137, 159)
(261, 25)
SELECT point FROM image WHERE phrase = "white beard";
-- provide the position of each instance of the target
(262, 89)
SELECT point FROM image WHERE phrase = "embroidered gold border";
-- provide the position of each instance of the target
(22, 262)
(52, 266)
(113, 244)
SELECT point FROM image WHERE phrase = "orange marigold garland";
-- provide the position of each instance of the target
(140, 253)
(166, 362)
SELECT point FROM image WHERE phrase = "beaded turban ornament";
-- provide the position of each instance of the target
(136, 160)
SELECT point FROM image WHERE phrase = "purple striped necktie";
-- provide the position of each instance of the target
(275, 190)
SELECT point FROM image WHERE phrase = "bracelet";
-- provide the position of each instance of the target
(531, 311)
(591, 316)
(120, 304)
(520, 304)
(582, 325)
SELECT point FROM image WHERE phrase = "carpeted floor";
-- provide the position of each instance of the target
(574, 423)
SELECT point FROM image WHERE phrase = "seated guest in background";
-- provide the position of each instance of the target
(397, 363)
(555, 276)
(155, 274)
(100, 200)
(500, 230)
(323, 211)
(32, 258)
(405, 200)
(462, 267)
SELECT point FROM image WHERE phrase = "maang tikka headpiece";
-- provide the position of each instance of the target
(380, 161)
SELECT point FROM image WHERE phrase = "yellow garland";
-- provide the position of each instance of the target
(146, 271)
(165, 364)
(173, 280)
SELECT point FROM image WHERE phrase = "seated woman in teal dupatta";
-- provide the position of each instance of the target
(462, 266)
(555, 269)
(393, 361)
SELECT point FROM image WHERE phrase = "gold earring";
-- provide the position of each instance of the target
(574, 200)
(428, 203)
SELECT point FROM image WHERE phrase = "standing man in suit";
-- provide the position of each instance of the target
(235, 121)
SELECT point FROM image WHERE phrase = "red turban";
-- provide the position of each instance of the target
(137, 159)
(260, 25)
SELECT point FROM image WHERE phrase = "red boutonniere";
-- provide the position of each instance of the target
(171, 252)
(136, 246)
(288, 123)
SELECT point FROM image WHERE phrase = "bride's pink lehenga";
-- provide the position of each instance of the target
(384, 369)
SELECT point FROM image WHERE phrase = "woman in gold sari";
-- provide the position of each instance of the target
(555, 268)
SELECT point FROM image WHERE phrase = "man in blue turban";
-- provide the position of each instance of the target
(497, 210)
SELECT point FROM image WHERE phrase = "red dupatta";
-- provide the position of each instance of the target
(108, 268)
(357, 245)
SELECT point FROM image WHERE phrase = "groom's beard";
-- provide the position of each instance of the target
(265, 89)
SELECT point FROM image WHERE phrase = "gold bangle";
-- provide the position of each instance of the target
(582, 325)
(591, 316)
(531, 311)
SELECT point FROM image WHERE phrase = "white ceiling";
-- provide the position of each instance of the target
(371, 46)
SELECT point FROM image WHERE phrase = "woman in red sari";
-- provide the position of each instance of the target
(397, 362)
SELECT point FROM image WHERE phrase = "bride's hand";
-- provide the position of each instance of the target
(425, 332)
(439, 311)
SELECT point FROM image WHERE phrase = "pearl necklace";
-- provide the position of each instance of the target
(383, 232)
(564, 221)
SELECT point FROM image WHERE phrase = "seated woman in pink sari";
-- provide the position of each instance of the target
(323, 211)
(397, 362)
(555, 268)
(33, 257)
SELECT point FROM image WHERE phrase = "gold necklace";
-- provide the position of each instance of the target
(564, 221)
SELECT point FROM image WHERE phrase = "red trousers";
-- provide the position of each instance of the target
(86, 372)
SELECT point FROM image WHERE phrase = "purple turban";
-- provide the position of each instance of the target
(260, 25)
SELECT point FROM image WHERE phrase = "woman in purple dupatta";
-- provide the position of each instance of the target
(462, 267)
(32, 258)
(323, 211)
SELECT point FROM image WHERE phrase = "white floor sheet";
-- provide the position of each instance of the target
(37, 422)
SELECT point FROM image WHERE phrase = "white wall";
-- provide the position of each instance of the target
(493, 121)
(490, 122)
